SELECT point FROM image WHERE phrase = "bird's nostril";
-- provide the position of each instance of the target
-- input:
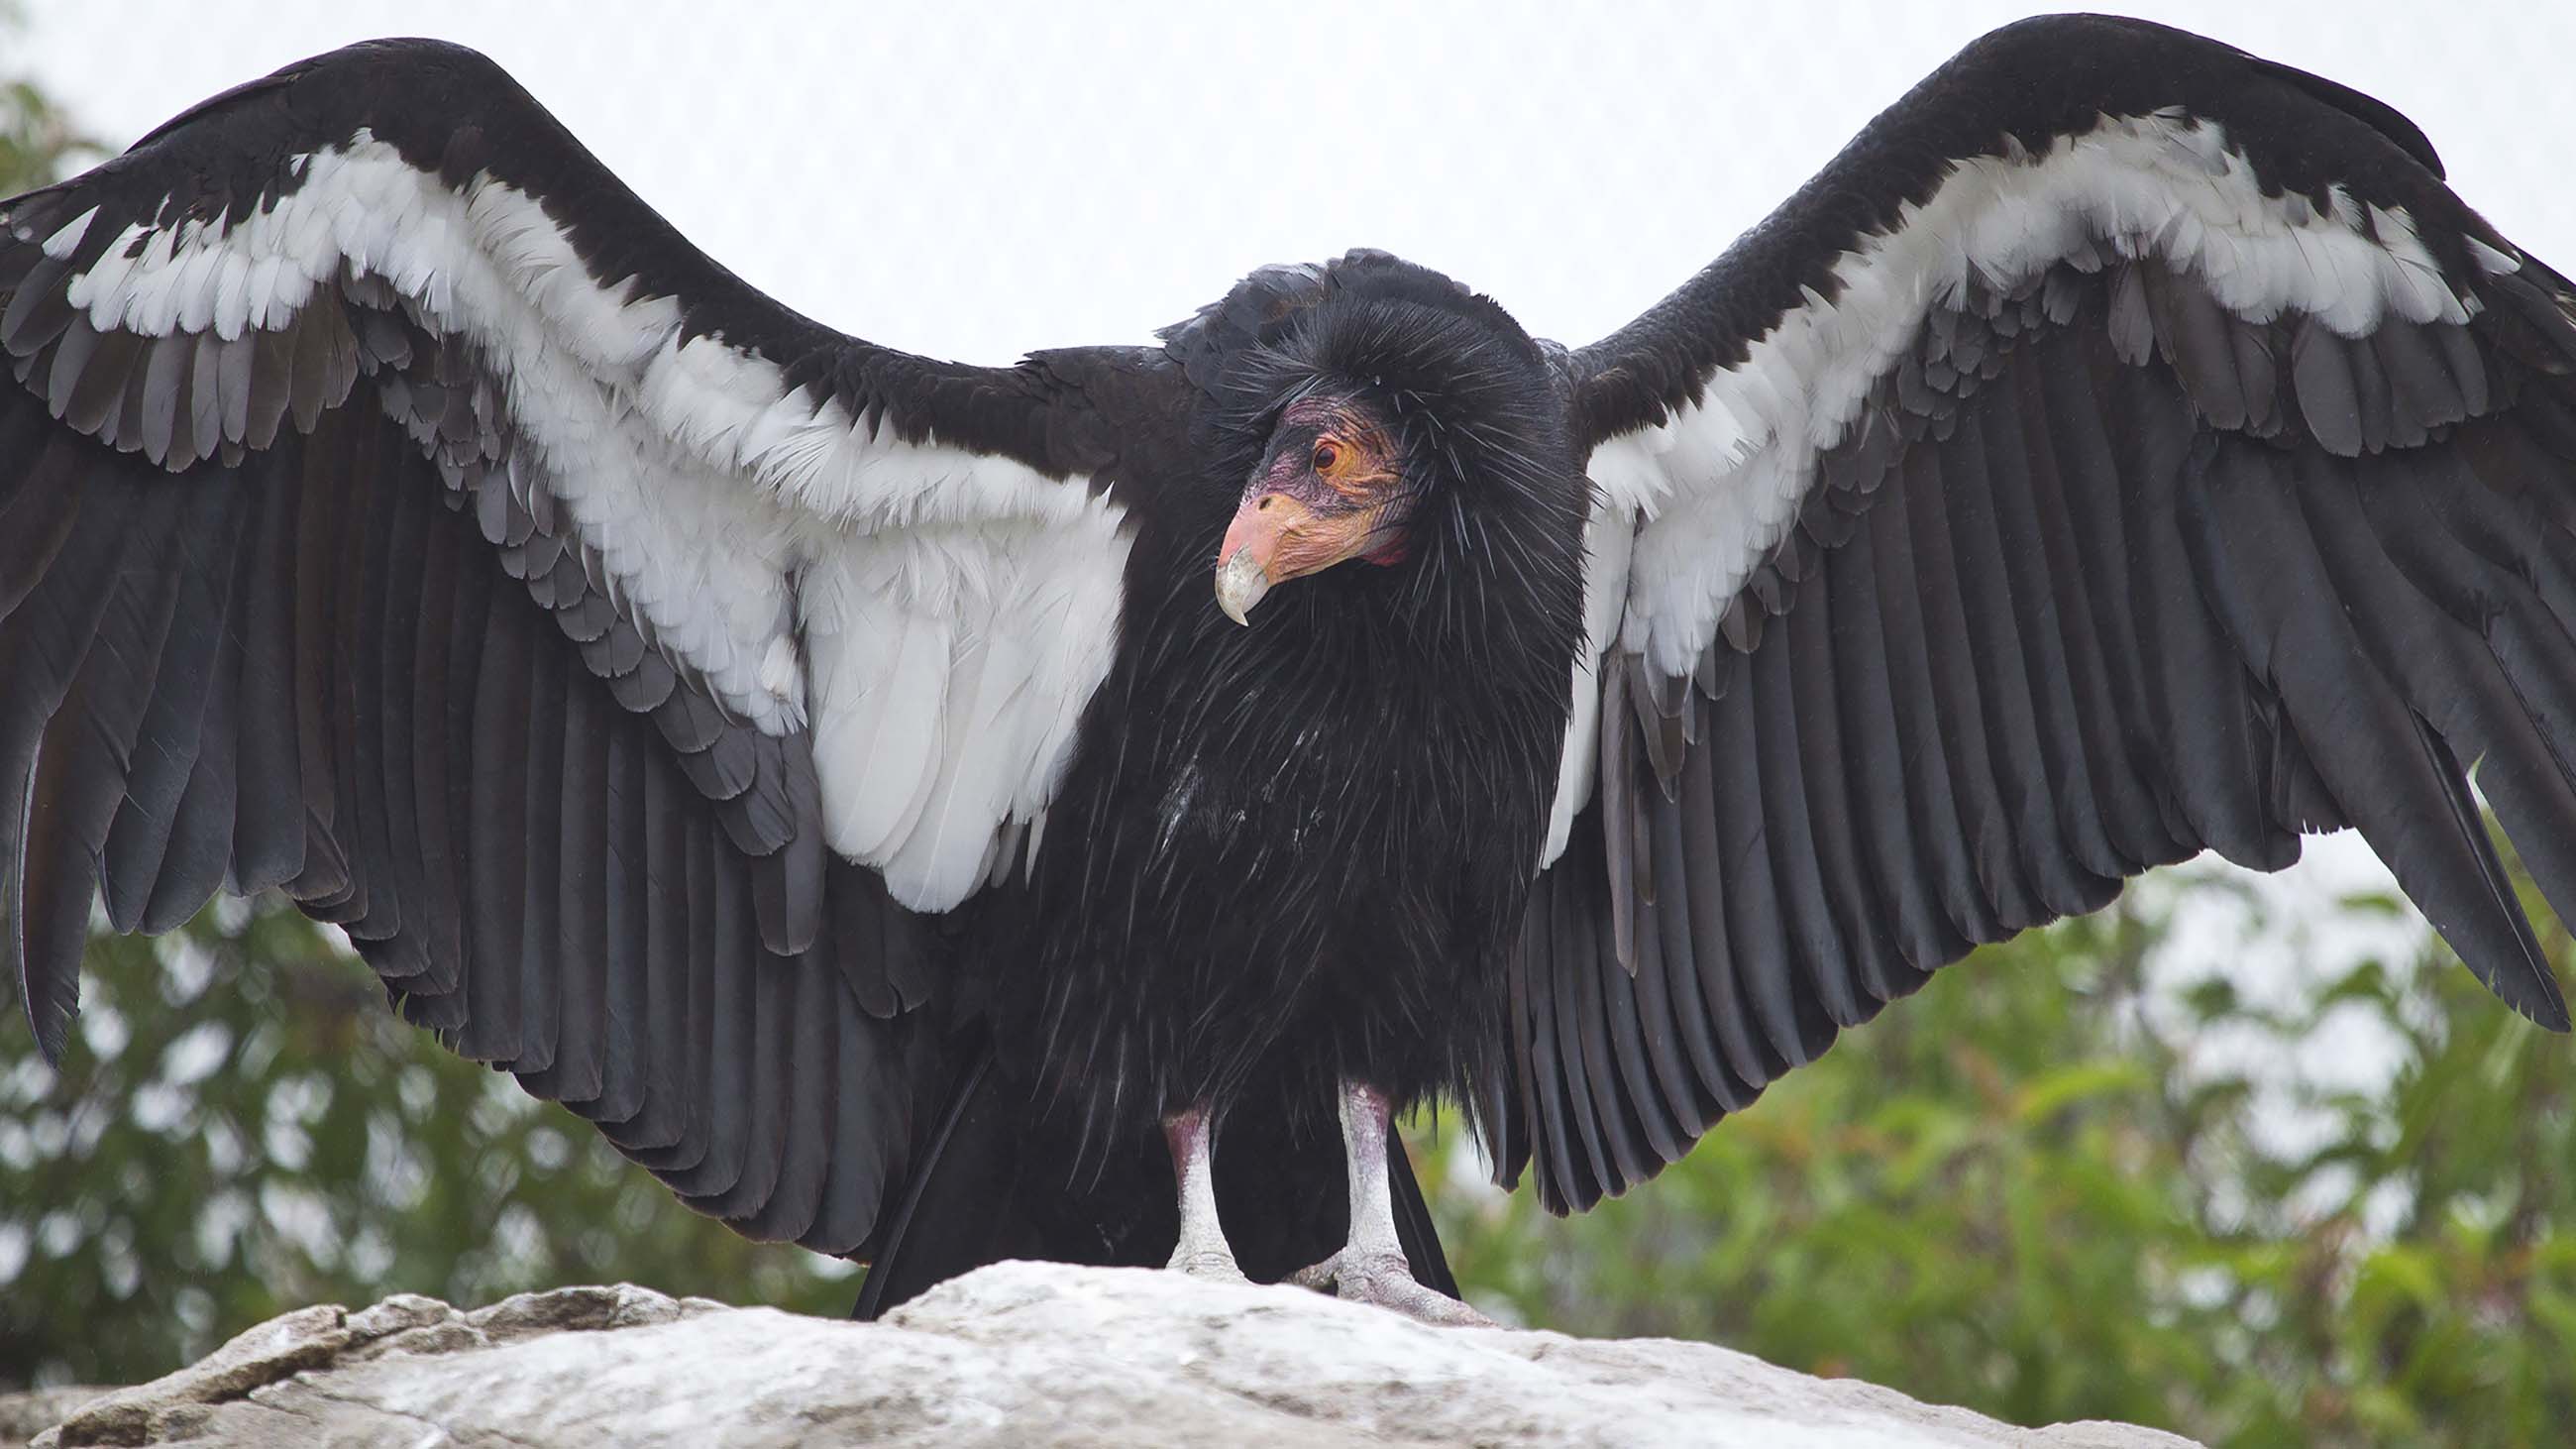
(1262, 507)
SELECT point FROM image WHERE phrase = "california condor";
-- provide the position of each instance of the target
(880, 793)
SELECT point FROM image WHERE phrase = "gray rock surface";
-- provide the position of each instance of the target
(25, 1415)
(1019, 1354)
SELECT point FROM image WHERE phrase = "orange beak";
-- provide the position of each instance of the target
(1248, 562)
(1276, 537)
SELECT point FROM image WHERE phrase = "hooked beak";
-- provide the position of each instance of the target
(1249, 561)
(1240, 583)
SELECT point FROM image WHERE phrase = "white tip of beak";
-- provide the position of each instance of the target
(1240, 583)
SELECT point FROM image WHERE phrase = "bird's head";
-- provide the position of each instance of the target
(1333, 485)
(1389, 420)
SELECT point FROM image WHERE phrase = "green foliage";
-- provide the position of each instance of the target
(2032, 1189)
(241, 1127)
(37, 142)
(2028, 1190)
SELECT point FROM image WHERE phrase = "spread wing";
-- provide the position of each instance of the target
(396, 511)
(2125, 447)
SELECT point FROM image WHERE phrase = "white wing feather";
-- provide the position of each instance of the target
(1711, 491)
(938, 617)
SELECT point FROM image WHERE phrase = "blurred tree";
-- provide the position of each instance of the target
(2025, 1192)
(2022, 1191)
(37, 143)
(241, 1127)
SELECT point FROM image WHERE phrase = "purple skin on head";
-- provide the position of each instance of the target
(1332, 489)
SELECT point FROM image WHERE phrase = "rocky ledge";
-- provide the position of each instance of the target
(1018, 1354)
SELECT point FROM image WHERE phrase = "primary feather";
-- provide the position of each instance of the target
(828, 769)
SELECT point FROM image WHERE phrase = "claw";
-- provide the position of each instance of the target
(1387, 1281)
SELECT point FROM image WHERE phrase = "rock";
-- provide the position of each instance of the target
(172, 1406)
(1017, 1354)
(26, 1414)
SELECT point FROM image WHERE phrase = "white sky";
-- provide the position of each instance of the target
(978, 181)
(975, 181)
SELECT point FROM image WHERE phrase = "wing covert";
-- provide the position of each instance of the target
(403, 515)
(2125, 447)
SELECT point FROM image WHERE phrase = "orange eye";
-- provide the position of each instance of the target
(1326, 455)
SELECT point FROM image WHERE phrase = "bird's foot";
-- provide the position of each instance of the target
(1387, 1281)
(1208, 1266)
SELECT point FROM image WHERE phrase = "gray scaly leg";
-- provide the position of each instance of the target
(1202, 1251)
(1371, 1268)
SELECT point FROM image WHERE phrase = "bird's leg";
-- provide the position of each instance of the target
(1202, 1251)
(1371, 1268)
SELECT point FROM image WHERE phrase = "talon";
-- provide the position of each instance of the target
(1387, 1281)
(1320, 1277)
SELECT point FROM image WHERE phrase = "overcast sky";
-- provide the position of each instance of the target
(975, 182)
(978, 181)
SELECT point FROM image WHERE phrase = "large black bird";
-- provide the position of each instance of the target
(880, 793)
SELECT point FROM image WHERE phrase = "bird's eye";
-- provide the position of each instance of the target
(1326, 455)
